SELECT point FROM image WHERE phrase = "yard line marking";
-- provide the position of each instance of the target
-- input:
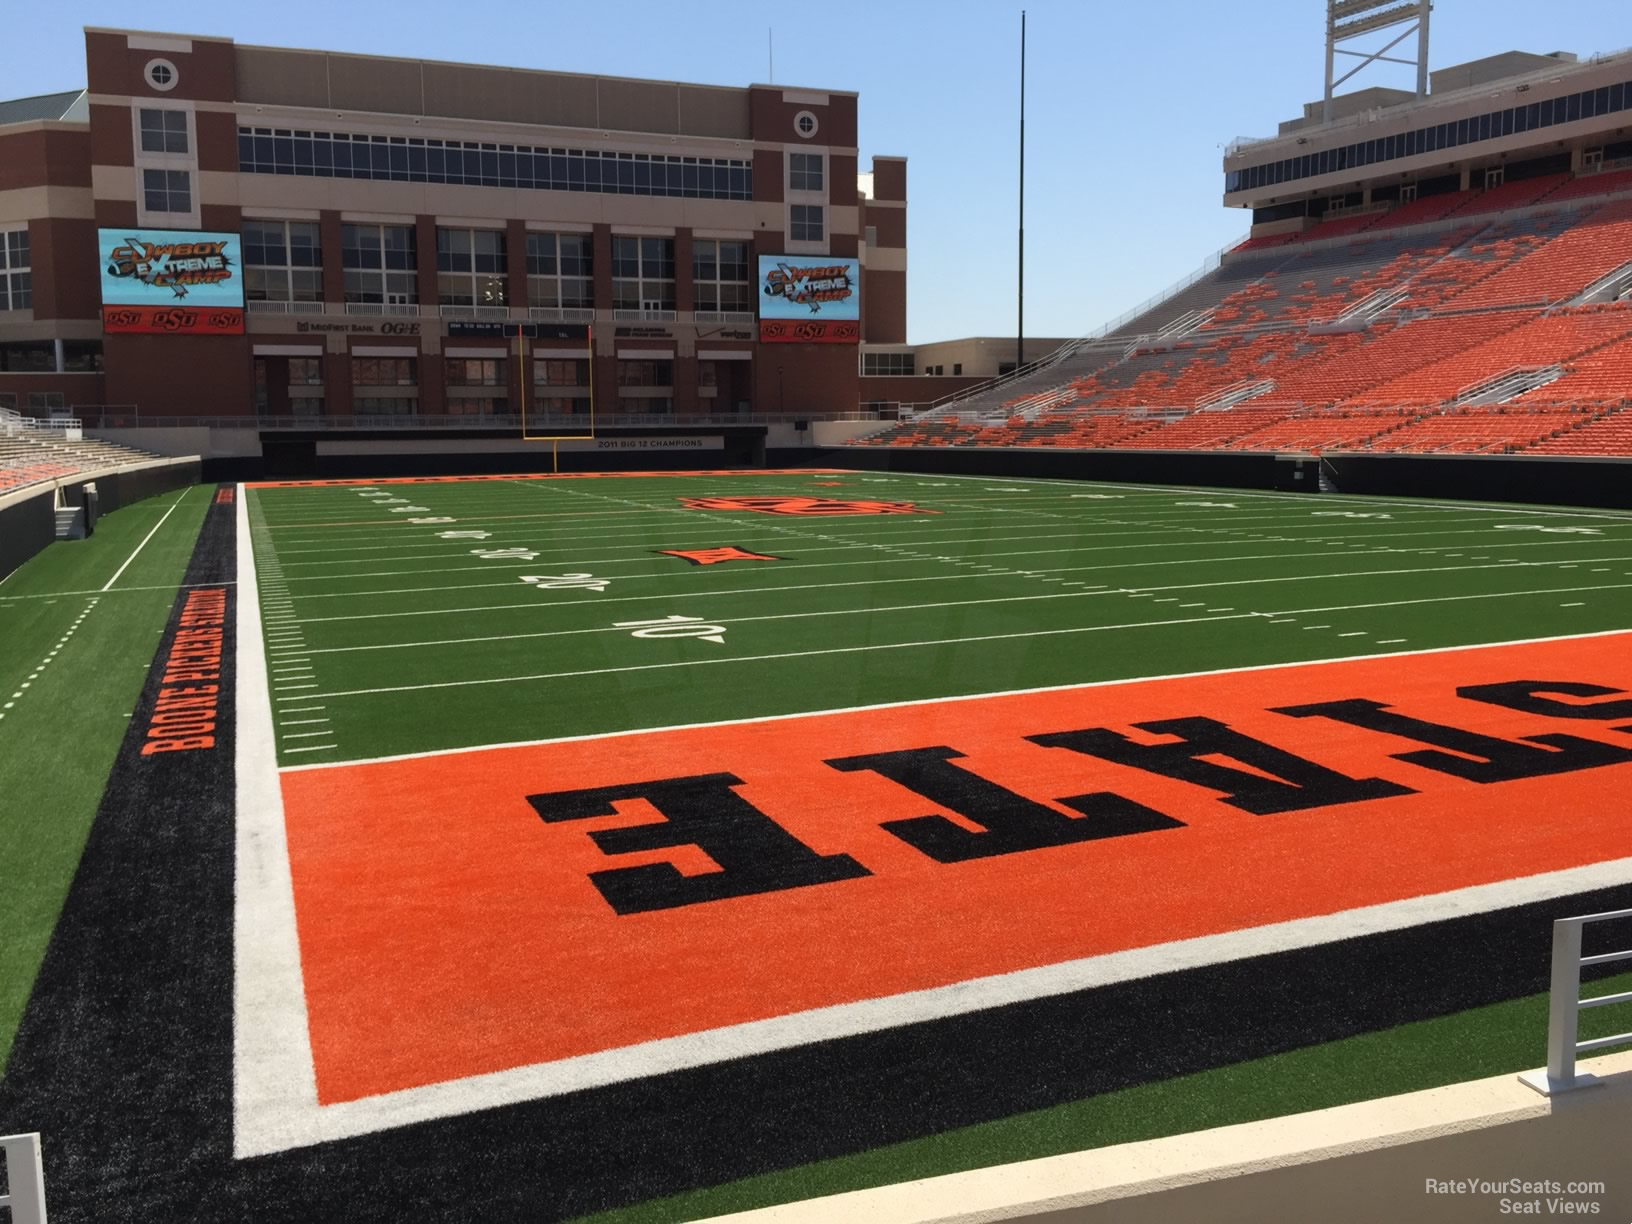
(1572, 605)
(1309, 627)
(145, 539)
(290, 688)
(954, 697)
(728, 620)
(304, 722)
(1390, 641)
(306, 734)
(1183, 586)
(1356, 633)
(312, 748)
(303, 709)
(991, 637)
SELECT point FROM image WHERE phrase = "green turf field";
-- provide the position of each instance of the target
(401, 940)
(394, 638)
(78, 624)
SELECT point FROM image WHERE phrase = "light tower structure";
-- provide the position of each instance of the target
(1350, 19)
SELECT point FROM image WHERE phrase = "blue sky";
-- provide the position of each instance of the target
(1128, 106)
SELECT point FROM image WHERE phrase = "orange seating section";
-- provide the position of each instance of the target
(1480, 299)
(1488, 429)
(18, 475)
(1545, 340)
(1564, 266)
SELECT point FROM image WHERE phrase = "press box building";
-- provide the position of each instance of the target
(210, 229)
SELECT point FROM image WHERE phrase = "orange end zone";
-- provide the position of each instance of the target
(410, 480)
(449, 926)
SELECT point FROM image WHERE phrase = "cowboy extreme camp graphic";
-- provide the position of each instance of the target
(813, 299)
(175, 281)
(811, 507)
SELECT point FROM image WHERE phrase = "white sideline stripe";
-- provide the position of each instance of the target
(143, 544)
(918, 701)
(989, 637)
(272, 1069)
(290, 1123)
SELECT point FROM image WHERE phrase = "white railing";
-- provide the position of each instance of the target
(643, 316)
(723, 316)
(25, 1179)
(258, 307)
(560, 314)
(1565, 1005)
(495, 313)
(382, 308)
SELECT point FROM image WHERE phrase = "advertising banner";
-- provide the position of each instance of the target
(176, 281)
(811, 299)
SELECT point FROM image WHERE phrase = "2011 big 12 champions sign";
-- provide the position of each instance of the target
(178, 281)
(813, 299)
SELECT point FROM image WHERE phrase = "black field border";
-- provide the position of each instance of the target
(124, 1057)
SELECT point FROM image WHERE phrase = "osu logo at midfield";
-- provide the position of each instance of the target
(823, 507)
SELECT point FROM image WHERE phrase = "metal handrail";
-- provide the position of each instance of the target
(25, 1177)
(505, 421)
(1565, 1005)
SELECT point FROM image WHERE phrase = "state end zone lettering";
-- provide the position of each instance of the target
(755, 871)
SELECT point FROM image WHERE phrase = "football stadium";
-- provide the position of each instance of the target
(564, 713)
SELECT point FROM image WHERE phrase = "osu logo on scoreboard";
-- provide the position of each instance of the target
(821, 507)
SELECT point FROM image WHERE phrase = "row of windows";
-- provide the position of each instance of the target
(410, 159)
(16, 271)
(283, 262)
(403, 371)
(1604, 100)
(888, 363)
(40, 357)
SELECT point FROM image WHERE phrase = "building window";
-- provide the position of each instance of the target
(645, 373)
(642, 273)
(16, 271)
(806, 222)
(283, 261)
(708, 373)
(381, 264)
(167, 191)
(415, 159)
(471, 267)
(161, 75)
(28, 357)
(719, 272)
(82, 356)
(576, 405)
(383, 372)
(561, 271)
(558, 372)
(890, 364)
(805, 124)
(163, 131)
(656, 406)
(384, 405)
(475, 372)
(804, 171)
(870, 235)
(305, 371)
